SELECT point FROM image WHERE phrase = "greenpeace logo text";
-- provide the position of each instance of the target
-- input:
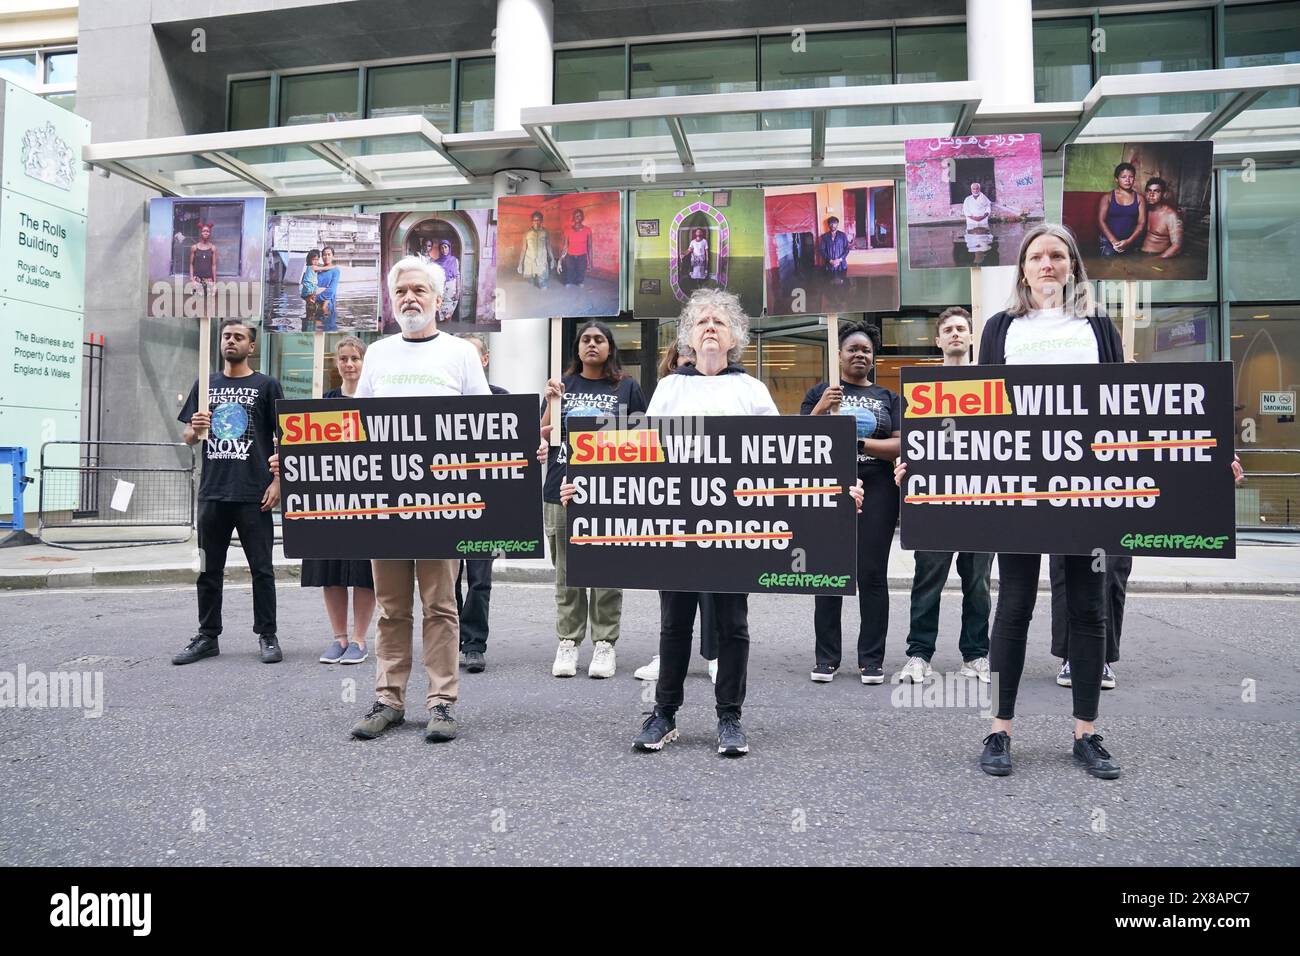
(74, 690)
(1185, 542)
(770, 580)
(75, 909)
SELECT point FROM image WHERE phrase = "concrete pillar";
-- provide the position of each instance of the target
(524, 74)
(1000, 55)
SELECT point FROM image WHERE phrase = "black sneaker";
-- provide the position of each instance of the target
(732, 741)
(1094, 756)
(823, 673)
(659, 728)
(475, 663)
(996, 758)
(872, 675)
(270, 646)
(200, 647)
(442, 725)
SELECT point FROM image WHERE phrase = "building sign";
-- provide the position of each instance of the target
(1277, 403)
(43, 195)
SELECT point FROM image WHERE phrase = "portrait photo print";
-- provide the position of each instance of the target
(206, 257)
(463, 244)
(322, 273)
(1140, 210)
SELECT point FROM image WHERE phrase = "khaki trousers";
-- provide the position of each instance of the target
(394, 584)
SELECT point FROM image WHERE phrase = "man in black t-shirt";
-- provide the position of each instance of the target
(237, 491)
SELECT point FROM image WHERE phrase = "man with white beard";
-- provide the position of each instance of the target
(419, 361)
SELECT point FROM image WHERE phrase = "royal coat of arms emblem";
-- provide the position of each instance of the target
(46, 157)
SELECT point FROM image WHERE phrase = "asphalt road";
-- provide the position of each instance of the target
(230, 761)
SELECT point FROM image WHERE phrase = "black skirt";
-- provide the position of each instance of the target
(320, 573)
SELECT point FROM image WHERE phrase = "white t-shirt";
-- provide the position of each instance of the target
(1050, 337)
(733, 393)
(976, 206)
(442, 365)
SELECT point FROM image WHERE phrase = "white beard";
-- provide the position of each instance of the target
(414, 321)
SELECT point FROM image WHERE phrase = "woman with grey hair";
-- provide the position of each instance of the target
(712, 331)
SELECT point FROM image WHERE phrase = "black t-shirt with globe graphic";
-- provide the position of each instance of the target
(241, 438)
(879, 413)
(587, 397)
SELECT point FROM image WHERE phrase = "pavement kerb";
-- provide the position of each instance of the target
(289, 572)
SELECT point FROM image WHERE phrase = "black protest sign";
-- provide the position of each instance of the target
(723, 504)
(414, 477)
(1070, 459)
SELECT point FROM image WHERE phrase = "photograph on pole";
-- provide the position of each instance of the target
(461, 242)
(970, 199)
(206, 258)
(322, 273)
(831, 247)
(715, 503)
(416, 477)
(1116, 459)
(1140, 210)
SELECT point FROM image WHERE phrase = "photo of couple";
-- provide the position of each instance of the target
(322, 273)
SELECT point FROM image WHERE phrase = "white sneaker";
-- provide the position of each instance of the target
(713, 670)
(1107, 678)
(602, 661)
(649, 671)
(917, 670)
(566, 660)
(979, 667)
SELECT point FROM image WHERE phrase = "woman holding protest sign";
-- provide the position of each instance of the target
(335, 577)
(712, 331)
(594, 384)
(879, 416)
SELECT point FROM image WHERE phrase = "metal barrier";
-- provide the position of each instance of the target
(133, 501)
(1268, 499)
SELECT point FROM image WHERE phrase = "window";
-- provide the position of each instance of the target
(1265, 344)
(1158, 43)
(822, 60)
(20, 68)
(680, 69)
(1062, 60)
(477, 95)
(586, 76)
(1262, 35)
(423, 88)
(318, 98)
(250, 104)
(1179, 333)
(1262, 226)
(930, 55)
(61, 67)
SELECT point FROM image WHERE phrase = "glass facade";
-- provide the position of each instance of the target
(929, 55)
(477, 95)
(1164, 42)
(319, 97)
(826, 60)
(1062, 59)
(681, 69)
(586, 76)
(250, 103)
(419, 88)
(1264, 34)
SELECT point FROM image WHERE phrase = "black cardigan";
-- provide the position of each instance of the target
(993, 343)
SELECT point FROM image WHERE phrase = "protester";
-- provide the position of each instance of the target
(1121, 214)
(594, 384)
(419, 361)
(1118, 568)
(335, 577)
(672, 361)
(474, 599)
(237, 492)
(713, 331)
(878, 414)
(954, 339)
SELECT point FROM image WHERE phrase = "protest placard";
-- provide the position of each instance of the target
(1070, 459)
(720, 504)
(411, 477)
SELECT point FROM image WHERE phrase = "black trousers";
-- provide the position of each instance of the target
(676, 621)
(473, 605)
(1017, 593)
(875, 536)
(1118, 569)
(217, 520)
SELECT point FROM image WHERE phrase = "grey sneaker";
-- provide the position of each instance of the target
(1107, 678)
(378, 719)
(355, 654)
(335, 652)
(442, 725)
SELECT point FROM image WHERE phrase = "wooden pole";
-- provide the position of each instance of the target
(833, 350)
(1129, 333)
(976, 312)
(318, 365)
(205, 362)
(557, 361)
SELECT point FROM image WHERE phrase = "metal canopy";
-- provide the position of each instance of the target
(805, 135)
